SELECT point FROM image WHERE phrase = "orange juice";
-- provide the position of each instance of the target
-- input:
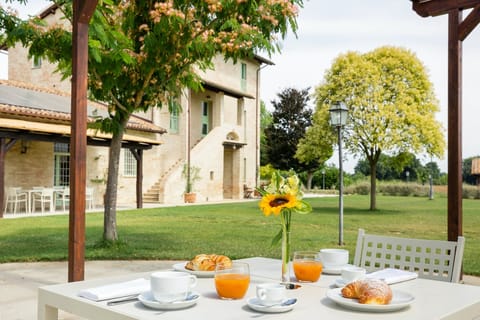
(307, 270)
(232, 285)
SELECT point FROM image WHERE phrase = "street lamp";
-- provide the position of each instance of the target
(430, 192)
(338, 119)
(323, 179)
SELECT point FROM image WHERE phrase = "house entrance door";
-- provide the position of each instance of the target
(227, 173)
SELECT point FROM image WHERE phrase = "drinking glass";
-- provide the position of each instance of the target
(307, 266)
(232, 281)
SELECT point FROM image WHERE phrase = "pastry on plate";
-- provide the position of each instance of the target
(368, 291)
(207, 262)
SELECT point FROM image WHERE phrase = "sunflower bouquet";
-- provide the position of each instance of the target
(282, 197)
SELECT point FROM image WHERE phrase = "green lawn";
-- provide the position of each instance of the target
(238, 230)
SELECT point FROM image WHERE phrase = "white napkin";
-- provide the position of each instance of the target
(391, 275)
(116, 290)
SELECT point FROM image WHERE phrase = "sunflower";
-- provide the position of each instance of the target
(274, 203)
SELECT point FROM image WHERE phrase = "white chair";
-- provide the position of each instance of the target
(89, 198)
(63, 196)
(44, 196)
(15, 197)
(431, 259)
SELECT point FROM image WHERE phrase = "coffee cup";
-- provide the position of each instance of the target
(169, 286)
(333, 258)
(271, 293)
(350, 274)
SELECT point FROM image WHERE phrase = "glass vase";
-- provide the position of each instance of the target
(285, 255)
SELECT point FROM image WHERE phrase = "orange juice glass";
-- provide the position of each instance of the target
(232, 282)
(307, 266)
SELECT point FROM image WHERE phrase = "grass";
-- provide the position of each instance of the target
(238, 230)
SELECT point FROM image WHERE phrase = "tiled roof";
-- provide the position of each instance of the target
(24, 101)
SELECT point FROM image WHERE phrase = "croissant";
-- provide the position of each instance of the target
(371, 291)
(207, 262)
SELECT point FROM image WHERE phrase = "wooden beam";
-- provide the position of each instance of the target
(4, 147)
(52, 137)
(138, 155)
(454, 126)
(469, 23)
(82, 12)
(426, 8)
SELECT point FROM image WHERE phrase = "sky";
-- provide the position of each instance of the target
(328, 28)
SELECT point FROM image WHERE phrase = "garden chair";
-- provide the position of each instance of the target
(44, 196)
(63, 197)
(15, 197)
(89, 198)
(430, 259)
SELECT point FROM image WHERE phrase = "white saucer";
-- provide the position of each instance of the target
(147, 299)
(254, 303)
(335, 270)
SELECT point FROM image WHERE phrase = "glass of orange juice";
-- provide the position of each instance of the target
(232, 281)
(307, 266)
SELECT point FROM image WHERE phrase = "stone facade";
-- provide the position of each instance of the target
(221, 130)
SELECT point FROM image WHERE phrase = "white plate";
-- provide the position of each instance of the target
(201, 274)
(334, 270)
(254, 303)
(399, 301)
(147, 299)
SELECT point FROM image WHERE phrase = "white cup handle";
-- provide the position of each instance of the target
(262, 293)
(193, 281)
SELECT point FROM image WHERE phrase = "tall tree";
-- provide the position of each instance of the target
(290, 119)
(315, 147)
(265, 121)
(391, 105)
(144, 53)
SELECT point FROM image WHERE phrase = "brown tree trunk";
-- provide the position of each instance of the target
(373, 185)
(309, 180)
(110, 213)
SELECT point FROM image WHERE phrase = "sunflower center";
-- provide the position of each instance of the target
(278, 202)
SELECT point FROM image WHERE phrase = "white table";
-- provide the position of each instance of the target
(433, 300)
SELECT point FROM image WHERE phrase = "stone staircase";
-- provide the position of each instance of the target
(152, 195)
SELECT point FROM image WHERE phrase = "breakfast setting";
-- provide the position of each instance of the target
(387, 278)
(214, 279)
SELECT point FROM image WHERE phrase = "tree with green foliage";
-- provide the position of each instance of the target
(143, 54)
(391, 105)
(265, 121)
(290, 119)
(316, 146)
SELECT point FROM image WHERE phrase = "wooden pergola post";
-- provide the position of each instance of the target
(82, 13)
(455, 208)
(458, 30)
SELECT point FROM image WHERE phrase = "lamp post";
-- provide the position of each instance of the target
(338, 119)
(323, 179)
(430, 192)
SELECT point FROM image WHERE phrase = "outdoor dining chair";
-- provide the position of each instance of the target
(63, 197)
(15, 197)
(89, 194)
(430, 259)
(44, 196)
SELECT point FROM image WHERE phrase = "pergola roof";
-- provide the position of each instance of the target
(432, 8)
(33, 113)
